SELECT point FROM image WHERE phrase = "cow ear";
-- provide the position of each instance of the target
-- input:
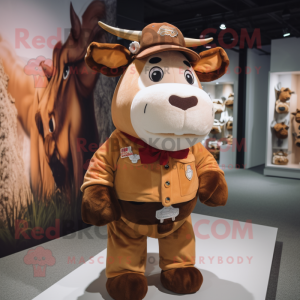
(108, 59)
(212, 65)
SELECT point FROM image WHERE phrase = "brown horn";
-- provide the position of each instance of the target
(196, 42)
(132, 35)
(135, 35)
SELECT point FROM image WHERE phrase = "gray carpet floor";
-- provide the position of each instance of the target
(266, 201)
(269, 201)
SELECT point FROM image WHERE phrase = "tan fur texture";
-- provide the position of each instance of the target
(128, 286)
(182, 280)
(280, 158)
(15, 192)
(282, 107)
(210, 193)
(285, 94)
(296, 114)
(281, 130)
(100, 205)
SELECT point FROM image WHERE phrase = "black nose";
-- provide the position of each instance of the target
(281, 108)
(183, 103)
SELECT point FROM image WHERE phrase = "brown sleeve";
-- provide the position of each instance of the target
(103, 164)
(100, 205)
(205, 162)
(213, 189)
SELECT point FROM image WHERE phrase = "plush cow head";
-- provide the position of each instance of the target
(285, 94)
(159, 97)
(229, 139)
(296, 127)
(217, 127)
(229, 124)
(65, 110)
(218, 105)
(282, 107)
(281, 130)
(229, 101)
(214, 145)
(297, 115)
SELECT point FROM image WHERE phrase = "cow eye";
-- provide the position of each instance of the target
(66, 72)
(156, 74)
(189, 76)
(51, 124)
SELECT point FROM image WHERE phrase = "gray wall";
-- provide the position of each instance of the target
(285, 55)
(256, 107)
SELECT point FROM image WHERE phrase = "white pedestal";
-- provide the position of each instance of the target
(233, 267)
(227, 157)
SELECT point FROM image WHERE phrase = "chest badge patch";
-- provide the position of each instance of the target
(167, 213)
(189, 172)
(134, 158)
(126, 151)
(167, 30)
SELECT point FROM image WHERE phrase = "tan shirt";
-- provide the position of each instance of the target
(173, 183)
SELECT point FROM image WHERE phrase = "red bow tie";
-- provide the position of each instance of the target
(150, 154)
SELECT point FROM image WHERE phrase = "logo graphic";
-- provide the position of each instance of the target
(167, 213)
(166, 30)
(38, 68)
(134, 158)
(39, 258)
(189, 172)
(126, 151)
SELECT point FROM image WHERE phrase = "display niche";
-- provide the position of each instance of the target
(222, 96)
(283, 134)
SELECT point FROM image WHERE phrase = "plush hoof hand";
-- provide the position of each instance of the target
(129, 286)
(182, 280)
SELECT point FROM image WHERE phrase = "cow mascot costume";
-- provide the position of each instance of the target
(144, 181)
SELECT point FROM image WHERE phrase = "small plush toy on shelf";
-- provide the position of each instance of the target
(284, 94)
(146, 178)
(217, 127)
(218, 105)
(296, 115)
(280, 158)
(229, 124)
(214, 148)
(229, 102)
(229, 138)
(282, 107)
(281, 130)
(296, 127)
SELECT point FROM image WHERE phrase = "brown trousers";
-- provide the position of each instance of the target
(127, 247)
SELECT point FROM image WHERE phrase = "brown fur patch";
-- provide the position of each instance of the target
(143, 213)
(210, 193)
(281, 130)
(164, 228)
(182, 280)
(39, 123)
(129, 286)
(214, 70)
(100, 205)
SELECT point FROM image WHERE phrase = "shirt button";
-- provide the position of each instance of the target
(167, 167)
(168, 199)
(167, 184)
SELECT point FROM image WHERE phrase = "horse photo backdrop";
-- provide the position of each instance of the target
(54, 114)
